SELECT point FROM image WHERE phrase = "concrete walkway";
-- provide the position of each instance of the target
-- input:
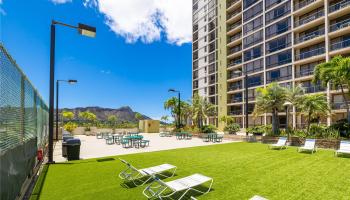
(91, 147)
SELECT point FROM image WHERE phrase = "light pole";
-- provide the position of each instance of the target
(179, 107)
(246, 120)
(57, 98)
(83, 30)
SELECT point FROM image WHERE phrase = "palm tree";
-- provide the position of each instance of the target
(112, 119)
(314, 106)
(201, 110)
(336, 72)
(172, 105)
(164, 118)
(270, 100)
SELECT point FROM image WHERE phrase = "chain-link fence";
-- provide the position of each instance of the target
(23, 126)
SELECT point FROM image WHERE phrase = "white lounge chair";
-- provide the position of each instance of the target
(133, 174)
(281, 143)
(310, 145)
(344, 148)
(184, 184)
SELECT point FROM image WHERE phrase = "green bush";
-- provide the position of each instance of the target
(299, 133)
(208, 129)
(260, 130)
(232, 128)
(70, 126)
(343, 127)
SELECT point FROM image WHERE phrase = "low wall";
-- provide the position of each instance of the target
(94, 130)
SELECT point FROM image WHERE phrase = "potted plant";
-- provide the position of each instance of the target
(232, 128)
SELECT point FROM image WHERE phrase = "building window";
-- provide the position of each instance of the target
(253, 53)
(278, 12)
(253, 11)
(253, 25)
(278, 44)
(279, 59)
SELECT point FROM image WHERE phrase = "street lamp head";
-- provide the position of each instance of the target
(86, 30)
(287, 103)
(171, 90)
(72, 81)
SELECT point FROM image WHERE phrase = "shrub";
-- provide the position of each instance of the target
(343, 127)
(260, 130)
(299, 133)
(208, 129)
(70, 126)
(232, 128)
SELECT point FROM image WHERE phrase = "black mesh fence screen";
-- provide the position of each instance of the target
(23, 126)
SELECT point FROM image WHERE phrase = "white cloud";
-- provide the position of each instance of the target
(60, 1)
(147, 20)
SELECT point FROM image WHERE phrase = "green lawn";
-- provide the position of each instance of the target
(240, 171)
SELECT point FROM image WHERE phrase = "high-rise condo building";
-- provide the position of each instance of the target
(269, 41)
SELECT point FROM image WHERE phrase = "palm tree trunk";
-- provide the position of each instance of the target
(274, 122)
(346, 103)
(308, 122)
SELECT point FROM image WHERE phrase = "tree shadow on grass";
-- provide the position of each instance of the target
(342, 155)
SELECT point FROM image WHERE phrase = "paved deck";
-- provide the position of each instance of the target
(91, 147)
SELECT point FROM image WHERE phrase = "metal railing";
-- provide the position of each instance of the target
(235, 62)
(303, 73)
(309, 36)
(235, 37)
(302, 4)
(234, 87)
(235, 25)
(236, 100)
(280, 62)
(279, 47)
(339, 6)
(340, 45)
(233, 14)
(309, 18)
(311, 53)
(313, 89)
(235, 112)
(339, 25)
(231, 3)
(280, 78)
(339, 105)
(235, 49)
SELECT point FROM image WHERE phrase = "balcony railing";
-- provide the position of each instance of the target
(311, 53)
(279, 47)
(234, 87)
(339, 105)
(309, 18)
(234, 75)
(280, 62)
(339, 25)
(280, 78)
(257, 69)
(303, 73)
(310, 36)
(235, 112)
(253, 84)
(340, 45)
(302, 4)
(233, 26)
(235, 62)
(235, 37)
(236, 100)
(235, 49)
(313, 89)
(339, 6)
(229, 16)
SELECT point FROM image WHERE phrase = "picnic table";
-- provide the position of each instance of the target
(183, 135)
(132, 140)
(212, 137)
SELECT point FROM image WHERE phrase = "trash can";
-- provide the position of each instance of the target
(73, 149)
(64, 149)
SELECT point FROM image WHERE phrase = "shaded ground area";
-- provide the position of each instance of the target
(240, 171)
(96, 148)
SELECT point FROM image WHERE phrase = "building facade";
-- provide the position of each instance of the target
(269, 41)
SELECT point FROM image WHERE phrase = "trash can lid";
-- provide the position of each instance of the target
(73, 141)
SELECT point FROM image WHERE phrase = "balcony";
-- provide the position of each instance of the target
(309, 18)
(280, 62)
(235, 62)
(311, 53)
(235, 37)
(310, 36)
(339, 105)
(280, 78)
(234, 75)
(256, 69)
(233, 14)
(279, 47)
(339, 25)
(236, 100)
(340, 45)
(338, 6)
(235, 112)
(234, 50)
(314, 89)
(253, 84)
(234, 87)
(302, 4)
(303, 73)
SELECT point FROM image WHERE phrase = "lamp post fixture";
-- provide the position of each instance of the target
(82, 30)
(57, 95)
(246, 120)
(179, 107)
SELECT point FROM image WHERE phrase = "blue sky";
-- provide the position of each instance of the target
(123, 65)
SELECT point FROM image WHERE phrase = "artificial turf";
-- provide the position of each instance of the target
(239, 170)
